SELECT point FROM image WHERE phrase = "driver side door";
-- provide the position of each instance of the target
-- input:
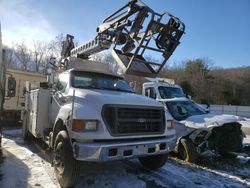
(58, 98)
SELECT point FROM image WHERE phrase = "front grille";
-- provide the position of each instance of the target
(127, 120)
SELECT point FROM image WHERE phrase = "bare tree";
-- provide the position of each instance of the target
(40, 51)
(55, 46)
(23, 54)
(9, 57)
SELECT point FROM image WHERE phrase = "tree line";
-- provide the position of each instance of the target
(198, 78)
(32, 56)
(212, 85)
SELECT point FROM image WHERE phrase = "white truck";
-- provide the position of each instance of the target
(198, 132)
(92, 114)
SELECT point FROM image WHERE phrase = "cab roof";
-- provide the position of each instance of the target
(157, 83)
(77, 64)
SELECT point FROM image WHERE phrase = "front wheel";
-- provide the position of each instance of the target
(187, 150)
(67, 169)
(153, 162)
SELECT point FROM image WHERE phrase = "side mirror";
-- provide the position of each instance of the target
(52, 63)
(208, 108)
(45, 85)
(151, 94)
(11, 87)
(188, 96)
(165, 107)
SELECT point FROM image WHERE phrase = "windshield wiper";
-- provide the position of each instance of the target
(88, 87)
(104, 88)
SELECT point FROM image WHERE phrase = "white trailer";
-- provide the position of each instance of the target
(15, 99)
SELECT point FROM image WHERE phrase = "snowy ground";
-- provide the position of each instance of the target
(245, 126)
(28, 165)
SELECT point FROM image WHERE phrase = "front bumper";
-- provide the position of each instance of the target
(118, 150)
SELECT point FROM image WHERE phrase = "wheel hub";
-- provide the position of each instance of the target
(59, 157)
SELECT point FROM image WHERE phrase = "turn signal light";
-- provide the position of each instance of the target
(84, 125)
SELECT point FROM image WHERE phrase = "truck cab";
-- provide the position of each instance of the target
(97, 116)
(162, 89)
(107, 106)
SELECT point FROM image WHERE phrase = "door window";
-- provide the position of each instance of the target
(62, 82)
(150, 92)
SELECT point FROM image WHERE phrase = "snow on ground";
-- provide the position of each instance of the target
(28, 165)
(22, 166)
(245, 126)
(247, 140)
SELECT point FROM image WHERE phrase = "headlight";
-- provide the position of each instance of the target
(84, 125)
(170, 124)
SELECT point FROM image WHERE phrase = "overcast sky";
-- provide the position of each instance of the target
(215, 29)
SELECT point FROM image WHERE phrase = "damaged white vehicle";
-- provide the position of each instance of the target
(199, 132)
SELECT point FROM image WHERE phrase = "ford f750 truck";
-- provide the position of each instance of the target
(88, 113)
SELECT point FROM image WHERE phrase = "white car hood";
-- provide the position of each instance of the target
(102, 97)
(209, 121)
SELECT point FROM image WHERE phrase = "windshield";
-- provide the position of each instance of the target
(87, 80)
(181, 110)
(170, 92)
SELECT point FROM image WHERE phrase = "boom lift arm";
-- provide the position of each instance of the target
(134, 31)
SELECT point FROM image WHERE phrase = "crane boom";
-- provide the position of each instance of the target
(134, 31)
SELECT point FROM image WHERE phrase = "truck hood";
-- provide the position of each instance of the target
(102, 97)
(209, 121)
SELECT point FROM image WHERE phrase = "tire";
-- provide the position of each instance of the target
(1, 132)
(187, 151)
(67, 169)
(227, 155)
(25, 133)
(153, 162)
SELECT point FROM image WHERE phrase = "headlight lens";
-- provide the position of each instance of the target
(84, 125)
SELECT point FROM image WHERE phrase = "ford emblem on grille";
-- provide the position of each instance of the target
(141, 120)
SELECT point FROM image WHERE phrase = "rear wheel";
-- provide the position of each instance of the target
(153, 162)
(187, 150)
(67, 169)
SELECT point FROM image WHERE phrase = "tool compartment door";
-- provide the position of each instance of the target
(40, 112)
